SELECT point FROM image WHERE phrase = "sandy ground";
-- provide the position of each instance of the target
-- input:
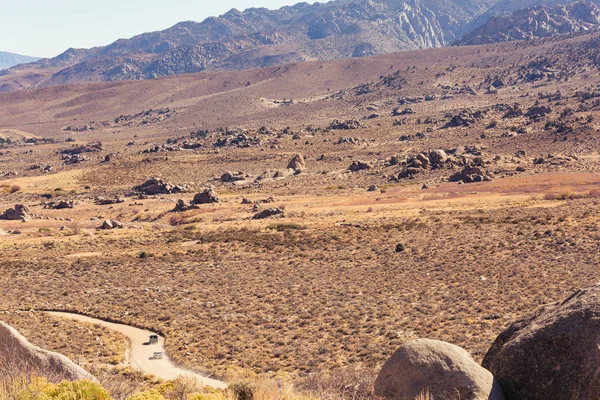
(141, 353)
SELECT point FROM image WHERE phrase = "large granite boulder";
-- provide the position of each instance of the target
(17, 355)
(442, 369)
(553, 355)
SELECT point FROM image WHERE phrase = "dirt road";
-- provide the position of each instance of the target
(140, 355)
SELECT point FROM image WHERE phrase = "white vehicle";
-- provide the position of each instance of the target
(158, 355)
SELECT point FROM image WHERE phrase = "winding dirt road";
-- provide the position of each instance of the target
(140, 354)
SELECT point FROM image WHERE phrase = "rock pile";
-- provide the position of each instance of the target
(86, 148)
(465, 118)
(156, 186)
(60, 205)
(111, 224)
(422, 162)
(101, 201)
(471, 173)
(345, 125)
(182, 206)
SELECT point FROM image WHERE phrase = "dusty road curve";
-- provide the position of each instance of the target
(141, 353)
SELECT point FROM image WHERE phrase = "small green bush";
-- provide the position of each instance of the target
(78, 390)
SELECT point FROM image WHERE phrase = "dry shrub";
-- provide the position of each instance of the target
(15, 188)
(346, 384)
(424, 395)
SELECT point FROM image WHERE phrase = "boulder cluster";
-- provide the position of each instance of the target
(552, 355)
(423, 161)
(156, 186)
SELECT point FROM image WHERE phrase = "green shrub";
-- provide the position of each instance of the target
(78, 390)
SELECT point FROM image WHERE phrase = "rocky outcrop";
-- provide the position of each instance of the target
(206, 196)
(470, 174)
(18, 213)
(444, 370)
(535, 22)
(297, 163)
(552, 355)
(111, 224)
(17, 354)
(230, 177)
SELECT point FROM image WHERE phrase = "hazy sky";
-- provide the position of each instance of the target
(46, 28)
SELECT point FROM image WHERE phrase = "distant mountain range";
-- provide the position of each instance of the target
(535, 22)
(259, 37)
(8, 60)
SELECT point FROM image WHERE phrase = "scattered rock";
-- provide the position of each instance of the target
(359, 166)
(44, 168)
(73, 159)
(445, 370)
(101, 201)
(373, 188)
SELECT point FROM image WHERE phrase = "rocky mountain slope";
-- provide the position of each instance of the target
(8, 60)
(259, 37)
(505, 8)
(538, 21)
